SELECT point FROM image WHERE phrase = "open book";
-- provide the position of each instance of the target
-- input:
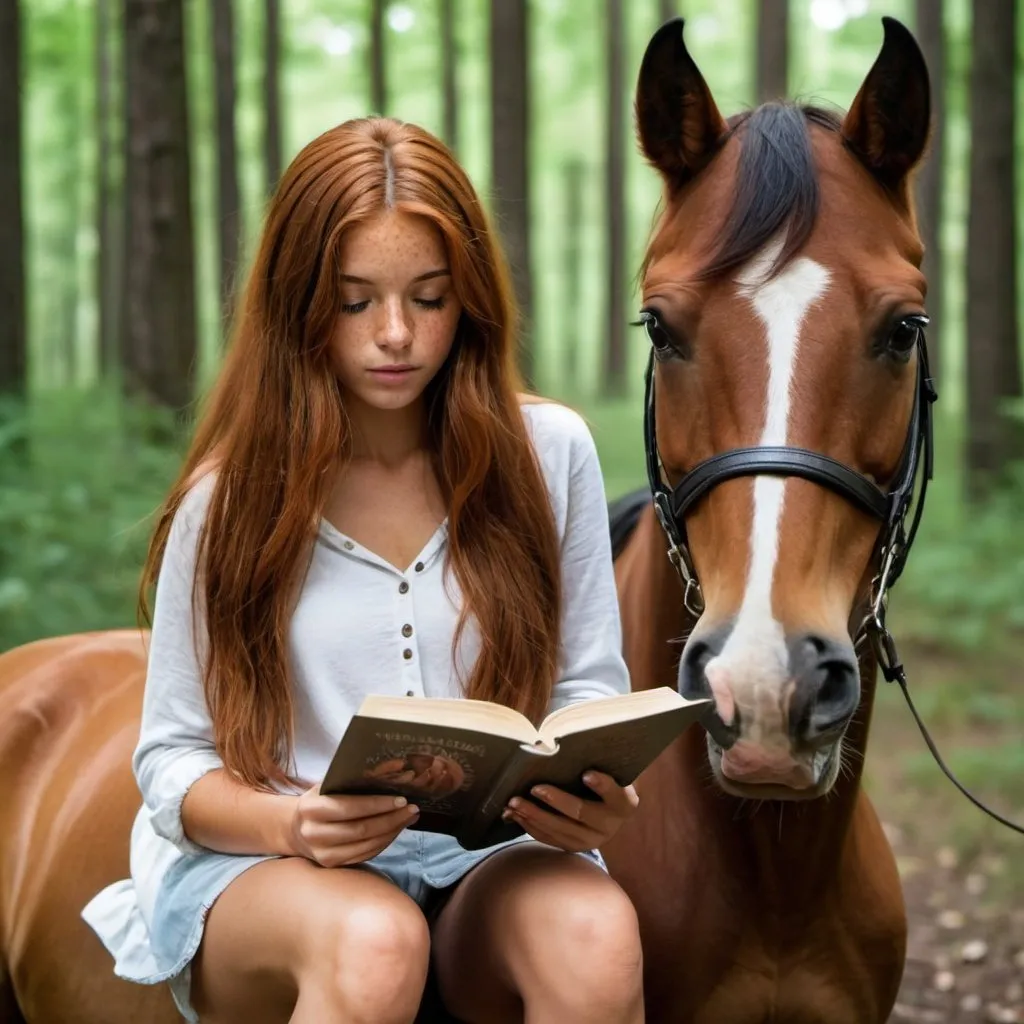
(460, 760)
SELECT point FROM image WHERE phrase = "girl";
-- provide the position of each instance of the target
(369, 506)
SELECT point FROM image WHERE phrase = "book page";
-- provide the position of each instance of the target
(602, 711)
(458, 712)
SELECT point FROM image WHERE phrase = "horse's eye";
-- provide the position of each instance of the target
(904, 336)
(657, 334)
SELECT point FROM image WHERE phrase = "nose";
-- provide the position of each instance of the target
(395, 332)
(827, 687)
(824, 687)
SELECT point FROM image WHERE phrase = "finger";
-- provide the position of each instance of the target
(565, 830)
(338, 833)
(572, 839)
(352, 807)
(355, 853)
(622, 800)
(587, 811)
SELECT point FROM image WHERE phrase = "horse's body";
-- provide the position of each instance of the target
(765, 887)
(70, 720)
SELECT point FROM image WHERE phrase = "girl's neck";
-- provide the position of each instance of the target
(387, 436)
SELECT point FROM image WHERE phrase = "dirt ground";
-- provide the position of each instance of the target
(963, 878)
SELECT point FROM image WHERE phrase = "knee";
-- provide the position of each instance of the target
(377, 959)
(600, 938)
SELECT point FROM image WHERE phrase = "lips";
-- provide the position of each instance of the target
(392, 372)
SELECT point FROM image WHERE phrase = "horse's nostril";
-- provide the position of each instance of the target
(827, 690)
(693, 679)
(694, 683)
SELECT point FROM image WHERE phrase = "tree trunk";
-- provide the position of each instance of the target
(449, 60)
(930, 183)
(772, 57)
(378, 70)
(666, 10)
(272, 92)
(573, 241)
(615, 177)
(228, 202)
(13, 332)
(64, 285)
(109, 238)
(510, 136)
(160, 328)
(993, 363)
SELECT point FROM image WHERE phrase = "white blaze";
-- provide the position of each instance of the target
(754, 660)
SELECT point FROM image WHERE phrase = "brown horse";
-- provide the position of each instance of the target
(780, 292)
(784, 303)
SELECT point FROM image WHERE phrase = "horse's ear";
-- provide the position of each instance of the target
(677, 121)
(888, 122)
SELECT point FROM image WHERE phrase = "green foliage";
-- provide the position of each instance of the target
(75, 515)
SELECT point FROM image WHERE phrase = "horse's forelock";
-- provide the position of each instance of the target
(776, 187)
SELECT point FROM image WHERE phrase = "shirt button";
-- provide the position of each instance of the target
(403, 587)
(418, 567)
(407, 654)
(410, 693)
(407, 630)
(349, 545)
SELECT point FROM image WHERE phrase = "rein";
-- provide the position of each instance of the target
(892, 507)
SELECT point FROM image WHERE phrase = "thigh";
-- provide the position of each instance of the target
(507, 915)
(270, 925)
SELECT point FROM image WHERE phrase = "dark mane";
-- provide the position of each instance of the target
(776, 185)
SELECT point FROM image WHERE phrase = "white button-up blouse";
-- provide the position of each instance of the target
(360, 626)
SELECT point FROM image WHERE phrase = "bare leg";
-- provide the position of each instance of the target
(538, 935)
(290, 941)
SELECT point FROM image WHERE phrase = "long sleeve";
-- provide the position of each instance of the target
(176, 745)
(591, 662)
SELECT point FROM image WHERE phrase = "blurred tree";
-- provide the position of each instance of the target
(772, 50)
(109, 200)
(13, 338)
(614, 379)
(272, 92)
(572, 253)
(449, 61)
(228, 201)
(993, 357)
(160, 321)
(378, 60)
(666, 10)
(930, 184)
(510, 136)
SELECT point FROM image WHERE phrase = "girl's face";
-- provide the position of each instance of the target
(399, 313)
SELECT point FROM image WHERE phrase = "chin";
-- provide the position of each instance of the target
(824, 771)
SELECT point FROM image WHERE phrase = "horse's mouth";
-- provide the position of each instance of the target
(819, 774)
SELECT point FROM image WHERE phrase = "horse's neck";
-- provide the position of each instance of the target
(773, 837)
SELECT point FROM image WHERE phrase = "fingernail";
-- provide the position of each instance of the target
(506, 815)
(539, 791)
(515, 803)
(400, 801)
(590, 778)
(413, 809)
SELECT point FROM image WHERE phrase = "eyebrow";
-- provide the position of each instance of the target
(442, 272)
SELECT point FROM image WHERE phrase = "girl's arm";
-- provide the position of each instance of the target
(590, 658)
(176, 757)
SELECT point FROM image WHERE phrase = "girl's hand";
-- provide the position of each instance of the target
(574, 824)
(334, 831)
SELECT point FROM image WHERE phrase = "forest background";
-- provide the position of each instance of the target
(139, 141)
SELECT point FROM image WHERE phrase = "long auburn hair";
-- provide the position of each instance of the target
(274, 428)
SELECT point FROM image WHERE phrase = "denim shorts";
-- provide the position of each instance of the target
(421, 864)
